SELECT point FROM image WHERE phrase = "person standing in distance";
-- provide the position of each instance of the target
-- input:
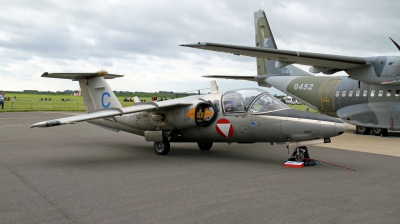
(2, 100)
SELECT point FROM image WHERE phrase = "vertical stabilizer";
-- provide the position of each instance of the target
(96, 92)
(214, 87)
(100, 95)
(265, 39)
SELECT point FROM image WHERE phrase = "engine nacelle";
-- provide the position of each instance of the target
(380, 70)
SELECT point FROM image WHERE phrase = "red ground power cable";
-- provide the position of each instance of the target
(344, 167)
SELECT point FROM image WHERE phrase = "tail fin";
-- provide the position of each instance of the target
(136, 99)
(265, 39)
(96, 92)
(214, 87)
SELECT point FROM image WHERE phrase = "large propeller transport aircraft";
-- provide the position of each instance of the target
(242, 116)
(369, 97)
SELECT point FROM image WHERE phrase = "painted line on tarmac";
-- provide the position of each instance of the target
(11, 125)
(22, 118)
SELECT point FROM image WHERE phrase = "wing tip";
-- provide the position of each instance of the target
(44, 124)
(194, 44)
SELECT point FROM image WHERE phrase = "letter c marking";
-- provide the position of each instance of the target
(102, 100)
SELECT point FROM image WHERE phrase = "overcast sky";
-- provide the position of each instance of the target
(140, 39)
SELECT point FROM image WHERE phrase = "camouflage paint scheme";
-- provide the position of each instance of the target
(379, 76)
(242, 116)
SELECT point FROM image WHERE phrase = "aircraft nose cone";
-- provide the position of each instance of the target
(301, 125)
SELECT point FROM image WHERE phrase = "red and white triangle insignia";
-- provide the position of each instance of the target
(224, 128)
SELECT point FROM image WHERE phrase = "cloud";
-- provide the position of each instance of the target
(140, 38)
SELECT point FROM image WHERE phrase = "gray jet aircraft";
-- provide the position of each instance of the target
(368, 97)
(242, 116)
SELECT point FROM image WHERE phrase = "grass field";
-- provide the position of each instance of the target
(63, 102)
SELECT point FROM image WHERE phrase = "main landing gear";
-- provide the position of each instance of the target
(375, 131)
(205, 146)
(379, 131)
(162, 148)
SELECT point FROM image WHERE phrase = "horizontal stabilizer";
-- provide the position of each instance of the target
(80, 76)
(260, 79)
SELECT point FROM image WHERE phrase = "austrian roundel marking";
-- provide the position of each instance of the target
(224, 128)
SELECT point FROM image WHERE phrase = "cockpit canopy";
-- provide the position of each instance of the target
(252, 100)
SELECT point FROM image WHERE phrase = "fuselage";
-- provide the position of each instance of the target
(353, 101)
(244, 116)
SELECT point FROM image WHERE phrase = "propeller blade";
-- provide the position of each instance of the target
(398, 47)
(388, 82)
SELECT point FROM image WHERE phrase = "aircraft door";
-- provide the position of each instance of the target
(328, 95)
(393, 118)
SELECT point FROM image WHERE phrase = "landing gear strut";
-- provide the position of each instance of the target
(300, 153)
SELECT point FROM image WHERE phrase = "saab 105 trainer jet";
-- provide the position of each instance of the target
(368, 98)
(242, 116)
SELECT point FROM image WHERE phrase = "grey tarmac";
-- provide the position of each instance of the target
(84, 174)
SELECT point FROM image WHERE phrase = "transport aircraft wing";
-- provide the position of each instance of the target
(238, 77)
(325, 63)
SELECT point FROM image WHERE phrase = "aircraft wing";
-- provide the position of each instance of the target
(111, 112)
(78, 76)
(236, 77)
(326, 61)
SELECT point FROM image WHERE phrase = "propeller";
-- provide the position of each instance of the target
(397, 78)
(398, 47)
(392, 81)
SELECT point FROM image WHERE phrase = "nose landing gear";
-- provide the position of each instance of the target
(300, 154)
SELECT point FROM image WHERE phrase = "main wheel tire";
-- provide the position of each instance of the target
(162, 148)
(363, 130)
(306, 156)
(205, 145)
(379, 131)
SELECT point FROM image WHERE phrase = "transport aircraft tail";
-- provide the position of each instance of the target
(265, 39)
(95, 90)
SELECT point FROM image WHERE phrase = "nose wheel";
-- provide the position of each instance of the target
(300, 153)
